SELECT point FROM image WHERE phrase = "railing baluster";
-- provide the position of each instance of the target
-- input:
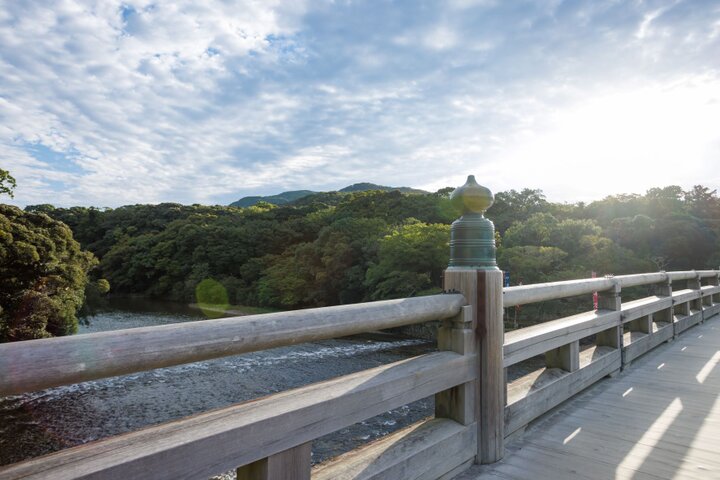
(566, 357)
(291, 464)
(458, 335)
(612, 337)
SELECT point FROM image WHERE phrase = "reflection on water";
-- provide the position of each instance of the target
(46, 421)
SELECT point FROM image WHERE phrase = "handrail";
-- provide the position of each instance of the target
(37, 364)
(541, 292)
(240, 434)
(281, 425)
(623, 331)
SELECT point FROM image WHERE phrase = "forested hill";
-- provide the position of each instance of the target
(294, 195)
(333, 248)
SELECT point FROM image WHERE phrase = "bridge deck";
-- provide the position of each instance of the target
(659, 419)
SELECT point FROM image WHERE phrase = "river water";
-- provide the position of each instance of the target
(42, 422)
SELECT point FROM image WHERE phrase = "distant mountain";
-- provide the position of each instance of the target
(292, 196)
(362, 187)
(279, 199)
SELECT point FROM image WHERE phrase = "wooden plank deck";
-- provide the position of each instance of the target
(659, 419)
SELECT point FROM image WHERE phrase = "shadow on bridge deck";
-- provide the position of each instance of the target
(659, 419)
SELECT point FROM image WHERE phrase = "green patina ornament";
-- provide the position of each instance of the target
(472, 236)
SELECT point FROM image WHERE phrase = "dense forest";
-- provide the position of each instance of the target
(333, 248)
(327, 248)
(43, 276)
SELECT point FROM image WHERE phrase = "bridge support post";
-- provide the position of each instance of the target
(292, 464)
(473, 272)
(612, 337)
(696, 284)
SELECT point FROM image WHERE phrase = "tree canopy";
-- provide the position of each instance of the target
(43, 274)
(332, 248)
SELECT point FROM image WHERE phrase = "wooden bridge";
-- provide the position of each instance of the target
(658, 419)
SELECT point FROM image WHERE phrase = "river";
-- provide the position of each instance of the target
(37, 423)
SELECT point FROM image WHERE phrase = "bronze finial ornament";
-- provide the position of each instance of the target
(472, 236)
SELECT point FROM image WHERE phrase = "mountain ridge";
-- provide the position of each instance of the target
(292, 196)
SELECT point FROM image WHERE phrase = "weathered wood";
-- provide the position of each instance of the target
(566, 357)
(647, 424)
(643, 344)
(220, 440)
(292, 464)
(541, 292)
(528, 398)
(710, 311)
(683, 322)
(685, 295)
(425, 451)
(535, 340)
(491, 437)
(707, 292)
(610, 300)
(642, 324)
(678, 276)
(643, 307)
(696, 285)
(37, 364)
(457, 335)
(626, 281)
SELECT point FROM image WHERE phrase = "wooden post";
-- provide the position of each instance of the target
(612, 337)
(715, 281)
(610, 300)
(483, 291)
(458, 335)
(566, 357)
(668, 315)
(696, 284)
(707, 300)
(473, 272)
(292, 464)
(642, 324)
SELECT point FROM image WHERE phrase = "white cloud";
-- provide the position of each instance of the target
(208, 101)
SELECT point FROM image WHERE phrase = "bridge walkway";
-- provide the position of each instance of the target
(658, 419)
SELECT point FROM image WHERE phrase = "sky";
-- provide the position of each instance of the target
(108, 103)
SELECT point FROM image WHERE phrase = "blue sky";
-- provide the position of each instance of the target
(110, 103)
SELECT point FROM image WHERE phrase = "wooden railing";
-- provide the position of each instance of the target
(270, 438)
(581, 349)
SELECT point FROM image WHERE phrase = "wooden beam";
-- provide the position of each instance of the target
(566, 357)
(541, 292)
(458, 335)
(37, 364)
(428, 450)
(292, 464)
(528, 342)
(491, 437)
(220, 440)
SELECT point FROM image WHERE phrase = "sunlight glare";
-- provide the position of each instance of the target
(708, 367)
(635, 137)
(572, 435)
(637, 455)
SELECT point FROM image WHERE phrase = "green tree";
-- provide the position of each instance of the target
(411, 260)
(7, 183)
(43, 273)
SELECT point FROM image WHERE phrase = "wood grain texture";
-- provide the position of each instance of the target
(527, 342)
(292, 464)
(37, 364)
(491, 438)
(220, 440)
(531, 396)
(541, 292)
(425, 451)
(660, 419)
